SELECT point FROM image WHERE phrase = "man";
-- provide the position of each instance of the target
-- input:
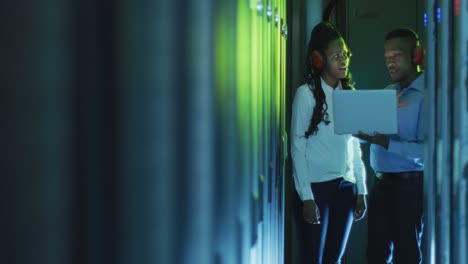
(395, 203)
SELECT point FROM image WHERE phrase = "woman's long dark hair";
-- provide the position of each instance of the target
(321, 36)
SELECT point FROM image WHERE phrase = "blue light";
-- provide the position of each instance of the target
(259, 7)
(438, 15)
(425, 20)
(269, 13)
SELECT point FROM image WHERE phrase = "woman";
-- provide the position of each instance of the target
(328, 170)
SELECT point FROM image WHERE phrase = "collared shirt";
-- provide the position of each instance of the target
(406, 149)
(326, 155)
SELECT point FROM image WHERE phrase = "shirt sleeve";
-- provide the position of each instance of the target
(359, 169)
(302, 109)
(412, 149)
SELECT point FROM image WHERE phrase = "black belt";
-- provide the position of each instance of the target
(404, 175)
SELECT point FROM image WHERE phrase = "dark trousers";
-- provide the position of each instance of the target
(395, 219)
(336, 200)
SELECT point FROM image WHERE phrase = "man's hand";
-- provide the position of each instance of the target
(311, 212)
(378, 139)
(361, 207)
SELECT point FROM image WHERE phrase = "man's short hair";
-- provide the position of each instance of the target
(404, 33)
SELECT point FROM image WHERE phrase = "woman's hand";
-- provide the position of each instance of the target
(311, 212)
(361, 207)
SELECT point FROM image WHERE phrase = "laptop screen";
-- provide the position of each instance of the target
(368, 111)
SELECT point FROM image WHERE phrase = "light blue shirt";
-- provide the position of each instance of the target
(406, 149)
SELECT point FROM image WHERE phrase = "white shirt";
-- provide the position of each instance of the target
(326, 155)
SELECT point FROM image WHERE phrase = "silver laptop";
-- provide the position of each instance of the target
(368, 111)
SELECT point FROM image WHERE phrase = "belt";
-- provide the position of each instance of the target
(404, 175)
